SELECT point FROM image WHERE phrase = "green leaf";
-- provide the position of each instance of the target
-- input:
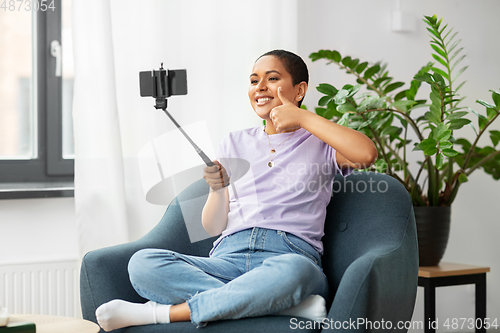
(439, 59)
(495, 95)
(495, 137)
(439, 161)
(490, 113)
(454, 43)
(462, 178)
(430, 116)
(439, 131)
(392, 87)
(456, 124)
(402, 105)
(346, 61)
(481, 120)
(434, 33)
(379, 81)
(367, 103)
(445, 145)
(335, 56)
(391, 130)
(324, 100)
(327, 89)
(371, 71)
(439, 50)
(353, 63)
(425, 77)
(456, 114)
(473, 128)
(459, 86)
(448, 152)
(441, 72)
(346, 107)
(331, 111)
(457, 62)
(436, 99)
(427, 144)
(401, 95)
(315, 56)
(459, 72)
(445, 136)
(341, 96)
(430, 151)
(361, 67)
(456, 52)
(354, 90)
(320, 111)
(438, 78)
(344, 120)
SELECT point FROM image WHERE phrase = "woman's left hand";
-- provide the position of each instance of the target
(287, 116)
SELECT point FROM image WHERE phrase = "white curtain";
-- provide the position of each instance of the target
(217, 41)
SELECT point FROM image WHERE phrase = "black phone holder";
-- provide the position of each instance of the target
(161, 84)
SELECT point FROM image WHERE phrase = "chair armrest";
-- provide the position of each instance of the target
(104, 272)
(104, 277)
(379, 285)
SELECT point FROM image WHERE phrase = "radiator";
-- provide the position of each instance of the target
(49, 288)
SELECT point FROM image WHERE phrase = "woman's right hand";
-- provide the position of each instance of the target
(216, 176)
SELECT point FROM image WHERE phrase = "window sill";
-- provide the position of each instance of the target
(36, 190)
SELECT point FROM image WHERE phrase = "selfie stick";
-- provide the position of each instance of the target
(200, 152)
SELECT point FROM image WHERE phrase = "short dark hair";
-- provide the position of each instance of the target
(293, 65)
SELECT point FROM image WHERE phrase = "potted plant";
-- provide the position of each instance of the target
(399, 123)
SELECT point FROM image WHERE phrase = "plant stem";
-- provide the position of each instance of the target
(451, 197)
(400, 160)
(410, 120)
(482, 161)
(473, 147)
(415, 183)
(378, 141)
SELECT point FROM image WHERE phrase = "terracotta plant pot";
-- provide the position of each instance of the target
(433, 230)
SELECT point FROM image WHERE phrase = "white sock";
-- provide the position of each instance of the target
(118, 313)
(313, 307)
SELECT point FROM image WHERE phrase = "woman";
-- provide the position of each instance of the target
(271, 219)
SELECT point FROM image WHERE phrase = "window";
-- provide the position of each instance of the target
(36, 89)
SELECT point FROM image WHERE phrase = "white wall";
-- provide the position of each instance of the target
(33, 230)
(361, 28)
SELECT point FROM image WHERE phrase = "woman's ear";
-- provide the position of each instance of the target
(301, 92)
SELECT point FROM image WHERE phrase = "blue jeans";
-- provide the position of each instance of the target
(253, 272)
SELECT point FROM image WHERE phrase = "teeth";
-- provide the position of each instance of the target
(262, 100)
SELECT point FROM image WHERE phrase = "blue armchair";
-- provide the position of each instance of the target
(370, 259)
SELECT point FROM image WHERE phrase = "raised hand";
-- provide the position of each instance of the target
(287, 116)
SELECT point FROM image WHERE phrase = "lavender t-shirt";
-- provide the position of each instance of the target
(292, 195)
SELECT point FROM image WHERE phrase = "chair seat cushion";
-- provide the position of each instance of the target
(274, 324)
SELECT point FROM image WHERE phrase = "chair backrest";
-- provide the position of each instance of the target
(368, 212)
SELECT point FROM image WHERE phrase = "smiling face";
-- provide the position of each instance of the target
(267, 76)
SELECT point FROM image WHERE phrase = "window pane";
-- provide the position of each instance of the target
(17, 116)
(67, 84)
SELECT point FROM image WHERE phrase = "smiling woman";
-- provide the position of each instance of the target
(270, 235)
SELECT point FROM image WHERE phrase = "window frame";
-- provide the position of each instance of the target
(49, 167)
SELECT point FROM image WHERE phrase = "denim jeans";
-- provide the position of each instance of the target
(253, 272)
